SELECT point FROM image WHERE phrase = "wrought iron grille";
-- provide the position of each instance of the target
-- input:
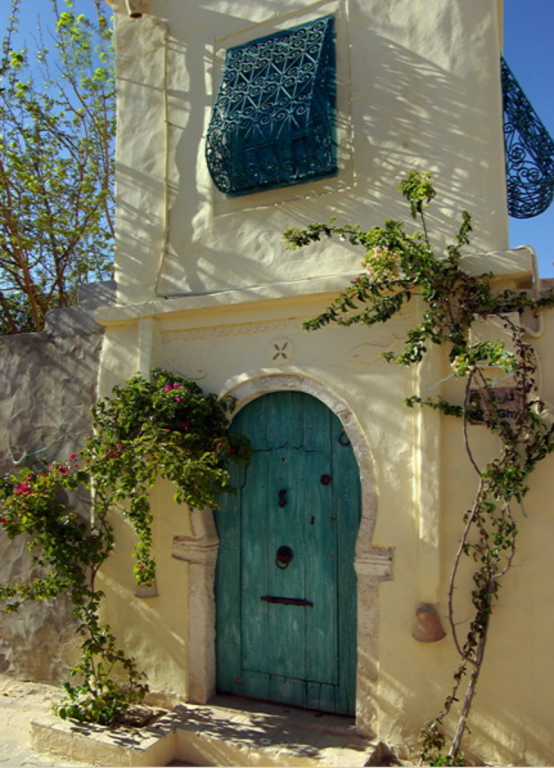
(529, 152)
(272, 123)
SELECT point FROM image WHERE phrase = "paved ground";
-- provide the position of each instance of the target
(285, 736)
(20, 702)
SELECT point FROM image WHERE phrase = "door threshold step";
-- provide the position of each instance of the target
(231, 731)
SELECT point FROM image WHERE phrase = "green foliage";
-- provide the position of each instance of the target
(57, 130)
(166, 427)
(101, 697)
(398, 266)
(68, 550)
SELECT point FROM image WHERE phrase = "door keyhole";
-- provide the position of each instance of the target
(283, 498)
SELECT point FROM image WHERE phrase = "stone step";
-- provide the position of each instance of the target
(227, 732)
(237, 732)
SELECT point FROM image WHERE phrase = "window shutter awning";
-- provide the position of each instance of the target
(272, 123)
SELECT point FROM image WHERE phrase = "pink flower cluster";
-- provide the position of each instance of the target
(169, 388)
(23, 489)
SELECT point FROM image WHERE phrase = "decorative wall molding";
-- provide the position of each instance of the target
(170, 337)
(377, 563)
(194, 550)
(281, 351)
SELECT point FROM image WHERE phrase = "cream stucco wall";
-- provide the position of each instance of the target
(418, 481)
(418, 86)
(206, 289)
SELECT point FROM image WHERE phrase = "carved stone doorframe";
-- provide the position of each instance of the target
(372, 564)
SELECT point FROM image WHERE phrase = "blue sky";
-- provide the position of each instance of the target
(529, 50)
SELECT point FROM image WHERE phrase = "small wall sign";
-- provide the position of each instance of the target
(504, 402)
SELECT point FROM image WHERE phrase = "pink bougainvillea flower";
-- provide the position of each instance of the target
(23, 488)
(4, 520)
(167, 388)
(178, 399)
(176, 385)
(72, 457)
(141, 566)
(186, 425)
(63, 470)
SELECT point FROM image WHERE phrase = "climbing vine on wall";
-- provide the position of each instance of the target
(397, 267)
(165, 427)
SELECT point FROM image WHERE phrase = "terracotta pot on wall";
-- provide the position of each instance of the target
(428, 627)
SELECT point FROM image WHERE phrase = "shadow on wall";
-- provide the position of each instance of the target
(48, 386)
(498, 735)
(414, 109)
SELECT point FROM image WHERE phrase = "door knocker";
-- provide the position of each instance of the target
(343, 439)
(283, 557)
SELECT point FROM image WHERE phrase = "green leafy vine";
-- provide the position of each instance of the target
(398, 266)
(166, 427)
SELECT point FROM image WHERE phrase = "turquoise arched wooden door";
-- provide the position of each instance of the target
(285, 582)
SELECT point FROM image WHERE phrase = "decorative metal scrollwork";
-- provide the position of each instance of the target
(529, 152)
(272, 123)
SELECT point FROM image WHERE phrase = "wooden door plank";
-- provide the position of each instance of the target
(321, 696)
(287, 623)
(321, 578)
(283, 415)
(254, 565)
(347, 503)
(228, 585)
(316, 418)
(287, 690)
(256, 684)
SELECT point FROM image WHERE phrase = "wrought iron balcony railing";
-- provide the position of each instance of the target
(529, 152)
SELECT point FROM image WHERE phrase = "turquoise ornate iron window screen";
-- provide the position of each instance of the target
(272, 123)
(529, 152)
